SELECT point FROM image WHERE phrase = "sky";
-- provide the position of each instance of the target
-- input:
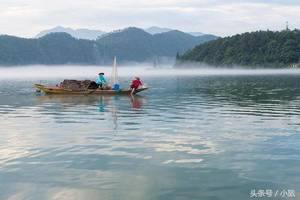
(26, 18)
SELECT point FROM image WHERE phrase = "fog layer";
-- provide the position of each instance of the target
(87, 72)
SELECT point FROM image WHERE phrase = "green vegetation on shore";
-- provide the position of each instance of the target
(256, 49)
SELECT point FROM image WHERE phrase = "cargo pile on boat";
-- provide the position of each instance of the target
(75, 85)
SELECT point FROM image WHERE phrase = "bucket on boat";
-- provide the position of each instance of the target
(116, 87)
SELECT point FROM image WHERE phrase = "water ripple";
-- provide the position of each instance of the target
(240, 131)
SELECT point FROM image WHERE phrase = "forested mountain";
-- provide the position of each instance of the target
(261, 48)
(55, 48)
(131, 44)
(172, 42)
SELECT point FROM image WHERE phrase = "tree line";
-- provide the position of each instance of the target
(256, 49)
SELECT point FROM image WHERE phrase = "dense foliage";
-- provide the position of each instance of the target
(262, 48)
(131, 44)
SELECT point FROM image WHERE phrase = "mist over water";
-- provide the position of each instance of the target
(195, 134)
(88, 72)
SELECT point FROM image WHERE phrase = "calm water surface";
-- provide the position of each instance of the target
(189, 137)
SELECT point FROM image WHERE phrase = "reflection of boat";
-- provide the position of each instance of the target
(102, 100)
(71, 100)
(106, 105)
(59, 90)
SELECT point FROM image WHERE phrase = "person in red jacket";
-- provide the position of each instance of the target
(135, 84)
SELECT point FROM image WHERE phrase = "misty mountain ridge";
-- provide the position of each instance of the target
(76, 33)
(95, 34)
(155, 30)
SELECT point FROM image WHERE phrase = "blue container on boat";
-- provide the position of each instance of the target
(116, 87)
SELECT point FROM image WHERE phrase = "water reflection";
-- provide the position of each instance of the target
(80, 105)
(188, 138)
(102, 101)
(258, 90)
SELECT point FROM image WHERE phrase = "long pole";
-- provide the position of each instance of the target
(114, 73)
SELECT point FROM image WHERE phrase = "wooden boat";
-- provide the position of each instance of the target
(59, 90)
(66, 91)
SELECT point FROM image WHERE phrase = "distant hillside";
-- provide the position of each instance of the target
(76, 33)
(129, 45)
(172, 42)
(262, 48)
(54, 48)
(156, 30)
(133, 44)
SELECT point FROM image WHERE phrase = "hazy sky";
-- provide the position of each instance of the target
(221, 17)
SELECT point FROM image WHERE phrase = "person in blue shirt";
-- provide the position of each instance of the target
(101, 81)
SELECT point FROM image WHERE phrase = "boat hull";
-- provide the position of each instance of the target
(58, 90)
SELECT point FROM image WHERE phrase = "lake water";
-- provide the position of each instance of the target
(191, 136)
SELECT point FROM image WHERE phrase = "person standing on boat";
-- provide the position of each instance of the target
(101, 81)
(135, 84)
